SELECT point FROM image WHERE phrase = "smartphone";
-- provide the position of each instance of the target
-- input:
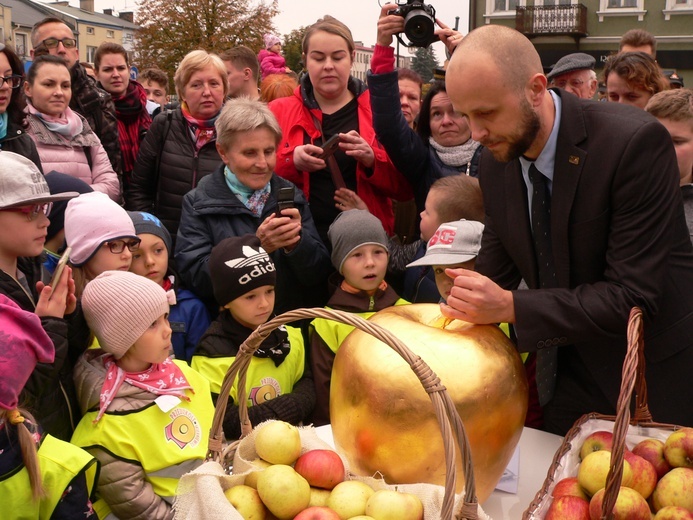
(330, 146)
(60, 267)
(285, 198)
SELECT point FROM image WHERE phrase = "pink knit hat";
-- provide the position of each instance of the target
(92, 219)
(23, 344)
(120, 306)
(270, 40)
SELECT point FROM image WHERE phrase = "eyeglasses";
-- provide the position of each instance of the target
(14, 81)
(118, 246)
(33, 211)
(52, 43)
(575, 83)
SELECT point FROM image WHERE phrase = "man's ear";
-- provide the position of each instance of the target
(536, 87)
(247, 74)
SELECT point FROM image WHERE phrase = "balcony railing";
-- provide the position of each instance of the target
(568, 20)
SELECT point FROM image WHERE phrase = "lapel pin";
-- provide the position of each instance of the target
(574, 159)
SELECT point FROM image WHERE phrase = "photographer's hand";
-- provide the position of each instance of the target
(388, 25)
(450, 37)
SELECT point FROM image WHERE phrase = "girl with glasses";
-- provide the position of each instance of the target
(13, 136)
(101, 235)
(64, 140)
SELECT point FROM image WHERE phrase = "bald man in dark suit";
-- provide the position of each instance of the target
(582, 202)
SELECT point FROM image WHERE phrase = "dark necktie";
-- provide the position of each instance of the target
(541, 231)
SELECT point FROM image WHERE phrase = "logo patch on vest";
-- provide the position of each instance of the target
(268, 389)
(183, 429)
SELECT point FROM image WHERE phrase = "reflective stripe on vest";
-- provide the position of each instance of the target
(166, 444)
(264, 380)
(60, 462)
(334, 333)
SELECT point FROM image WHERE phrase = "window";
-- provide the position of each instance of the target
(678, 7)
(90, 53)
(608, 8)
(110, 34)
(501, 8)
(21, 44)
(90, 30)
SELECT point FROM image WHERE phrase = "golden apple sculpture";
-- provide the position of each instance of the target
(383, 420)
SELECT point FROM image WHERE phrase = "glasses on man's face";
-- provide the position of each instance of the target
(32, 211)
(118, 246)
(14, 81)
(52, 43)
(575, 83)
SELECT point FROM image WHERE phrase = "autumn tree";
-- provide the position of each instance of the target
(291, 49)
(172, 28)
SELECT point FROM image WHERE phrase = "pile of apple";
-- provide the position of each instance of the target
(657, 478)
(312, 486)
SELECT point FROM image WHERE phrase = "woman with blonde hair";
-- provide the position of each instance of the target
(180, 146)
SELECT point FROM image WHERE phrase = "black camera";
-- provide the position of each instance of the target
(419, 23)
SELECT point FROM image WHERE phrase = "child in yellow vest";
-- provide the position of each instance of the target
(40, 476)
(278, 384)
(360, 255)
(146, 417)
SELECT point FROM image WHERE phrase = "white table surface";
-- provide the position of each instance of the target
(537, 449)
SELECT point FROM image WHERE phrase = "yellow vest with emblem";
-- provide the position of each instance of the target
(334, 333)
(166, 444)
(60, 462)
(264, 380)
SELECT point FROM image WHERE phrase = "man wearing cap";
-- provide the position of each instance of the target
(575, 73)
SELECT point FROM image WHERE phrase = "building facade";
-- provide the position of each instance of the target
(362, 61)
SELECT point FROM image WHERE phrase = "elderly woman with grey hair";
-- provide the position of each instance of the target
(240, 197)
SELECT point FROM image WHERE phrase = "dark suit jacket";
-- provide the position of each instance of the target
(619, 240)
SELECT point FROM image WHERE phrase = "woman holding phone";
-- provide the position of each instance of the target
(243, 196)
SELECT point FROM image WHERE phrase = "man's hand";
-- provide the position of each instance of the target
(477, 299)
(280, 232)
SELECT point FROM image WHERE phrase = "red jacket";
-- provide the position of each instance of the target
(376, 186)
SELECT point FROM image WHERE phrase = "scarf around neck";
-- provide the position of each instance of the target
(160, 379)
(202, 128)
(254, 200)
(133, 122)
(276, 346)
(3, 125)
(455, 155)
(69, 125)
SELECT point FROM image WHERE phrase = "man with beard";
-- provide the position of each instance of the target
(611, 233)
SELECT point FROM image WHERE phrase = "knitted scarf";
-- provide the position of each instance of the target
(455, 155)
(254, 200)
(203, 129)
(160, 379)
(133, 122)
(69, 125)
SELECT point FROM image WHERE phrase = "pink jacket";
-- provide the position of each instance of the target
(271, 63)
(69, 156)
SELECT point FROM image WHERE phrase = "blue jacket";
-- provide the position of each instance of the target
(189, 320)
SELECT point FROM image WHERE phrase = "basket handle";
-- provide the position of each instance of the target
(633, 369)
(448, 419)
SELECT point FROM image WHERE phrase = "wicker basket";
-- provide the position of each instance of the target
(627, 431)
(450, 423)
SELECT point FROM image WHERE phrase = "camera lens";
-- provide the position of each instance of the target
(419, 28)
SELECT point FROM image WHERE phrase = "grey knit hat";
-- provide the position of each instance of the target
(352, 229)
(119, 307)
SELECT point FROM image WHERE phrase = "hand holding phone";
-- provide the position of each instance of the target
(330, 146)
(59, 268)
(285, 199)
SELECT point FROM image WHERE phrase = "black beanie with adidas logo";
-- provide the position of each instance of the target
(238, 265)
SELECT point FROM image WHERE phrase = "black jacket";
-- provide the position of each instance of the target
(211, 212)
(18, 141)
(168, 167)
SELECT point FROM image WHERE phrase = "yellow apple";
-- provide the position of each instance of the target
(278, 442)
(318, 496)
(349, 498)
(630, 505)
(251, 478)
(674, 489)
(283, 491)
(594, 469)
(673, 513)
(387, 504)
(247, 502)
(383, 420)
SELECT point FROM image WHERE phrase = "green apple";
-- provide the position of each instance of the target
(674, 489)
(594, 469)
(630, 505)
(247, 502)
(278, 442)
(349, 498)
(387, 504)
(251, 478)
(284, 492)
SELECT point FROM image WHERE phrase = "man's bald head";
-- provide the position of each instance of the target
(508, 50)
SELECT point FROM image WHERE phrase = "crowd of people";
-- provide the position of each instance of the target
(186, 226)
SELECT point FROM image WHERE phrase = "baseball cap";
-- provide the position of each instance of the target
(21, 183)
(452, 243)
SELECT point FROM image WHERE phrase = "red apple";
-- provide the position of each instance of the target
(317, 513)
(674, 489)
(644, 474)
(321, 468)
(596, 441)
(568, 507)
(630, 505)
(652, 450)
(678, 449)
(673, 513)
(569, 486)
